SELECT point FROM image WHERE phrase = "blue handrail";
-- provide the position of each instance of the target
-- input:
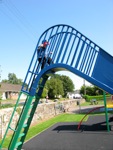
(72, 48)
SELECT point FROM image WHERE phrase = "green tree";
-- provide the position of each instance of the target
(91, 90)
(97, 90)
(58, 85)
(12, 79)
(55, 87)
(45, 92)
(68, 85)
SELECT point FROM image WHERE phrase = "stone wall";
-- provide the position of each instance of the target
(43, 112)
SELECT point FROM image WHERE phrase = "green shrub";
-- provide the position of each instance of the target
(99, 97)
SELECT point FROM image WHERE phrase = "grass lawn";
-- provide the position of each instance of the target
(60, 118)
(34, 130)
(89, 103)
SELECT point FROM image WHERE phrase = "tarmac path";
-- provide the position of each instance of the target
(92, 135)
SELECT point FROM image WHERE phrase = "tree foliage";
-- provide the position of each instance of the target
(91, 90)
(68, 85)
(45, 92)
(59, 85)
(55, 87)
(12, 78)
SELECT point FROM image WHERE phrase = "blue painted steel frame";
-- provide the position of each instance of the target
(75, 71)
(74, 52)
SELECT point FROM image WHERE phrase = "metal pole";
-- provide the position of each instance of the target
(106, 112)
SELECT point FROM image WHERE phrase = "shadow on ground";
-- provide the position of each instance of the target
(92, 135)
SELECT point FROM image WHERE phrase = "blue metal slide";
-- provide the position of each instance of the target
(71, 51)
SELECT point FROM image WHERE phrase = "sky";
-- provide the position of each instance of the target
(23, 21)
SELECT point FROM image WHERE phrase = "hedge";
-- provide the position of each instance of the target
(99, 97)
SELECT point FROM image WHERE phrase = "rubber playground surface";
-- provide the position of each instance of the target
(93, 135)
